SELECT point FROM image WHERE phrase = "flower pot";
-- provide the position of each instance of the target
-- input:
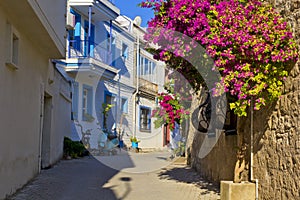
(121, 143)
(134, 144)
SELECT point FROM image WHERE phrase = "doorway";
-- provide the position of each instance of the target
(46, 131)
(166, 135)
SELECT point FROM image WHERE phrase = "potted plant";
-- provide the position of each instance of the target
(105, 109)
(134, 142)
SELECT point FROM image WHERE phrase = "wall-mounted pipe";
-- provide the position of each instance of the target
(251, 150)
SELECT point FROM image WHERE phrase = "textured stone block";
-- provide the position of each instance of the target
(237, 191)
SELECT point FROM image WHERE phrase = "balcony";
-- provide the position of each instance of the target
(87, 49)
(148, 88)
(103, 10)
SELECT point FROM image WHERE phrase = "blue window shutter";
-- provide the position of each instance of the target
(75, 101)
(77, 31)
(92, 41)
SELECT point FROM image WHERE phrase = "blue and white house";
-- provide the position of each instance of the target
(89, 63)
(107, 64)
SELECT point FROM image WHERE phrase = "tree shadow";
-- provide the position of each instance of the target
(83, 178)
(185, 174)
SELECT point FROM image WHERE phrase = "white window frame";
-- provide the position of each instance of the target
(85, 101)
(12, 46)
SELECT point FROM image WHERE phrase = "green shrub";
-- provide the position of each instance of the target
(74, 149)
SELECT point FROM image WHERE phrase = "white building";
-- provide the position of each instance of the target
(149, 81)
(35, 101)
(102, 65)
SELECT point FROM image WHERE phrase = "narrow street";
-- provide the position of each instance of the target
(141, 176)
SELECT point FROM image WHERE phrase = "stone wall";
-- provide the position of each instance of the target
(276, 162)
(219, 163)
(276, 128)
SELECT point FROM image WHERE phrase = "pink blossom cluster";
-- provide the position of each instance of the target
(251, 45)
(170, 110)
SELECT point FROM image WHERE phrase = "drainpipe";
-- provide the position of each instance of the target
(251, 151)
(137, 85)
(118, 106)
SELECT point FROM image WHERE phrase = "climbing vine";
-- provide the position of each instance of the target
(170, 110)
(251, 44)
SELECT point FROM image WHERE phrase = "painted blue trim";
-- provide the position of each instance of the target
(108, 93)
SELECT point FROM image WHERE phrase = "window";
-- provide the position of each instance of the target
(146, 66)
(109, 118)
(84, 101)
(111, 47)
(145, 119)
(124, 105)
(125, 51)
(12, 46)
(71, 38)
(87, 103)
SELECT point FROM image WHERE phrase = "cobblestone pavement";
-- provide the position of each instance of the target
(89, 179)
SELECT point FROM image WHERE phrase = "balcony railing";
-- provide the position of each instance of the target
(88, 49)
(148, 86)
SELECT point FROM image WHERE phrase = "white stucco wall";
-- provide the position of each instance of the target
(21, 105)
(51, 14)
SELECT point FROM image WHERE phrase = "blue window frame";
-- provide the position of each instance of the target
(145, 119)
(87, 102)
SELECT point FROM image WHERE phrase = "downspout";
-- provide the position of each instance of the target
(251, 151)
(118, 106)
(137, 85)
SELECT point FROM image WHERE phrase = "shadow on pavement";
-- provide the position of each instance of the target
(72, 179)
(190, 176)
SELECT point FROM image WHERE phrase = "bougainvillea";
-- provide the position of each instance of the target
(251, 45)
(170, 111)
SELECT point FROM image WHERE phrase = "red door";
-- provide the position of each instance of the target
(166, 135)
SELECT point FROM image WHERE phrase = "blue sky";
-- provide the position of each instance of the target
(130, 8)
